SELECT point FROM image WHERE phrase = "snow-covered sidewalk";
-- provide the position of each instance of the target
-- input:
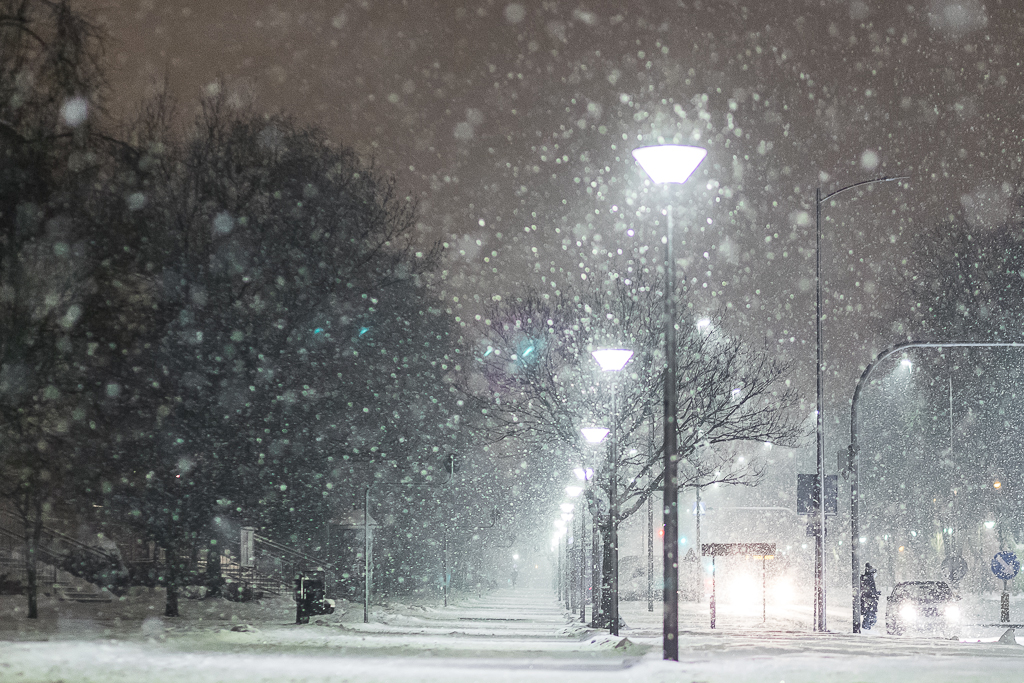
(501, 636)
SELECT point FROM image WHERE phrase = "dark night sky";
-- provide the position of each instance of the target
(502, 116)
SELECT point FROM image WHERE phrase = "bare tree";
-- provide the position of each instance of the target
(541, 384)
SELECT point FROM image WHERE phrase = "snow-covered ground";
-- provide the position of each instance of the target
(500, 636)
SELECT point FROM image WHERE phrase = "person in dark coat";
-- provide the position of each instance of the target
(868, 597)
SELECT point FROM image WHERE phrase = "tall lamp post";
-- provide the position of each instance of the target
(819, 540)
(574, 492)
(594, 436)
(613, 360)
(670, 164)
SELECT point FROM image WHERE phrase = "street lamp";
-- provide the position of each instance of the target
(613, 360)
(670, 164)
(594, 436)
(574, 491)
(819, 545)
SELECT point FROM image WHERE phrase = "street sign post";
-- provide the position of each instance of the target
(810, 501)
(807, 494)
(1005, 566)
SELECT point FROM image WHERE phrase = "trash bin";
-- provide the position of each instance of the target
(309, 597)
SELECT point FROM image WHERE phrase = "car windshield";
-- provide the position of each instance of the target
(924, 591)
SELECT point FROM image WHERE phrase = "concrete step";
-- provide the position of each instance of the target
(72, 593)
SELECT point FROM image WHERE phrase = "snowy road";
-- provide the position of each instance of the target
(503, 636)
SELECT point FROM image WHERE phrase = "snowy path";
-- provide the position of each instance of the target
(503, 636)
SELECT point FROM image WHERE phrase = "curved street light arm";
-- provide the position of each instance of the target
(883, 179)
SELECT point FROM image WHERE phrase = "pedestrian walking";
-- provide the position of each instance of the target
(868, 597)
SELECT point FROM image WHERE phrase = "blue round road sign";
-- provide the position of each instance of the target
(1005, 565)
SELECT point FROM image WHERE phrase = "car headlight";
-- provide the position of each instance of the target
(952, 613)
(908, 612)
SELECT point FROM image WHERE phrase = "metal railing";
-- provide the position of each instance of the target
(274, 572)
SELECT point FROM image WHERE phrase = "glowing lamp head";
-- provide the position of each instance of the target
(997, 484)
(573, 491)
(669, 163)
(612, 360)
(566, 507)
(594, 434)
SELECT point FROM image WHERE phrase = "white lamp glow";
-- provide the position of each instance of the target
(669, 163)
(573, 491)
(594, 434)
(612, 360)
(566, 507)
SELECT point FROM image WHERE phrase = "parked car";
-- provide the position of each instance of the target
(922, 608)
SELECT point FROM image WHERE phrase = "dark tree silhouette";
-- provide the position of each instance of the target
(49, 89)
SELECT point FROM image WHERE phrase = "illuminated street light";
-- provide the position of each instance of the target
(573, 491)
(612, 360)
(670, 164)
(593, 435)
